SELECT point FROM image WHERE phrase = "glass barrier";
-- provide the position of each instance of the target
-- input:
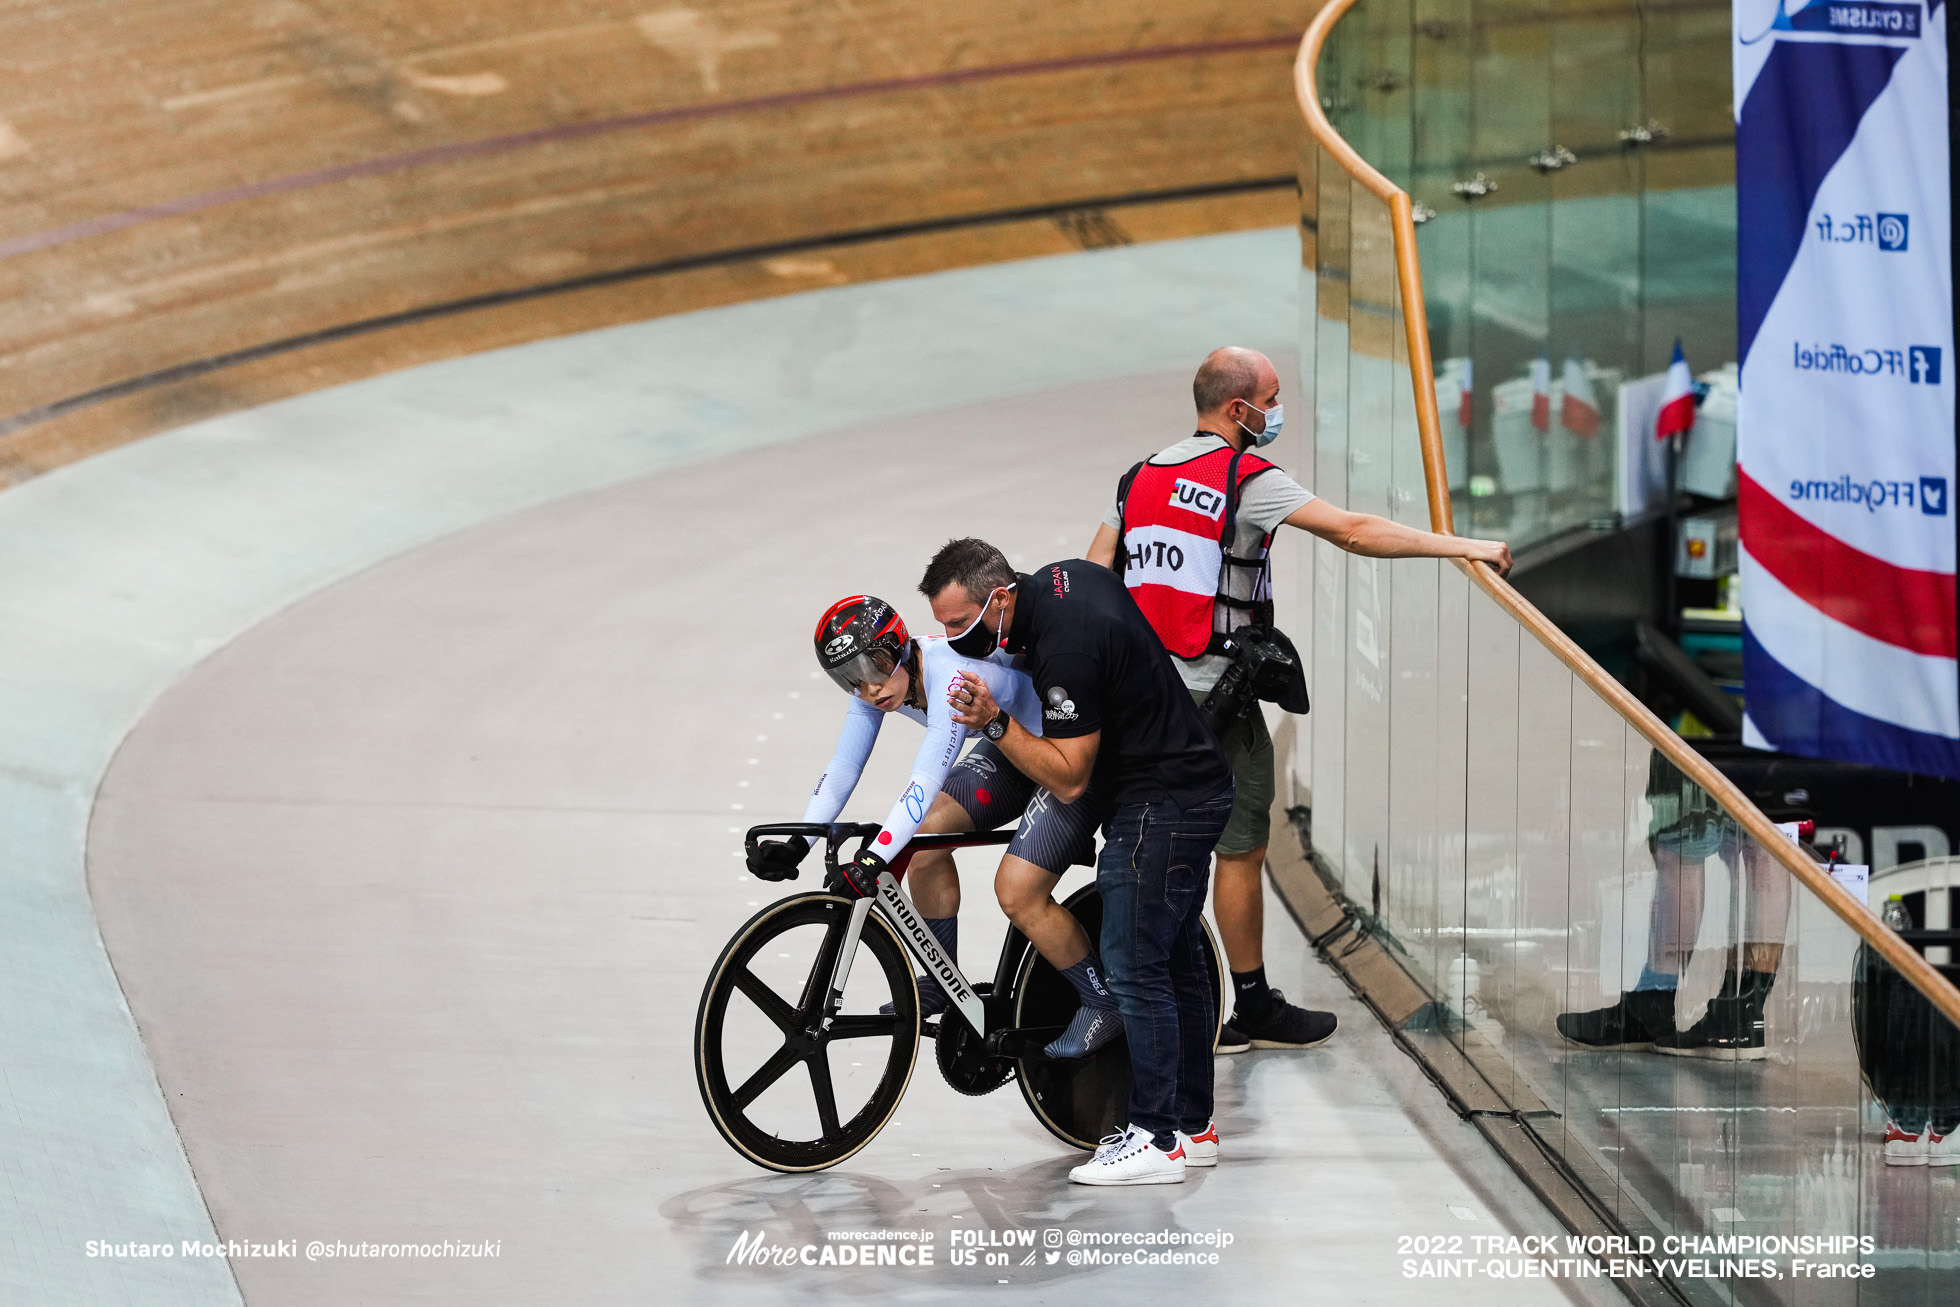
(1573, 175)
(1710, 1049)
(1701, 1039)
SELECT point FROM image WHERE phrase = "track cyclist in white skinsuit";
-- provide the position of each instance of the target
(862, 643)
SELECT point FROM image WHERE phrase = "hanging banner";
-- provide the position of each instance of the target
(1846, 430)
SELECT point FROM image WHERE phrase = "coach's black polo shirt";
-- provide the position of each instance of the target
(1098, 666)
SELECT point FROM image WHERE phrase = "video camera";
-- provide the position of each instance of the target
(1265, 665)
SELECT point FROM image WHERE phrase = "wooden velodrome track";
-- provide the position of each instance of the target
(209, 204)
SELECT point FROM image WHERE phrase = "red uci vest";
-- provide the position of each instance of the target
(1171, 553)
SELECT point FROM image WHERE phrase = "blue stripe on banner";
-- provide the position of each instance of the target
(1802, 111)
(1797, 717)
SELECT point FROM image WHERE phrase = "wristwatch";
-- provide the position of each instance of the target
(996, 728)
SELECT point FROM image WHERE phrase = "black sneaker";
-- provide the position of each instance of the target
(1232, 1040)
(1730, 1031)
(932, 1000)
(1284, 1026)
(1636, 1021)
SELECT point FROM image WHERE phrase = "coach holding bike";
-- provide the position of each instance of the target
(1113, 711)
(1189, 531)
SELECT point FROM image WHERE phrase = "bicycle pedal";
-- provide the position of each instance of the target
(929, 1029)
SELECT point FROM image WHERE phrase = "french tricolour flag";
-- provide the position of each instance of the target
(1678, 403)
(1541, 394)
(1578, 412)
(1850, 644)
(1466, 398)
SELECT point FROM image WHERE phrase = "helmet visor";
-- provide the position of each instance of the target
(872, 665)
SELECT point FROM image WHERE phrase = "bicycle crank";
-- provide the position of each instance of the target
(964, 1060)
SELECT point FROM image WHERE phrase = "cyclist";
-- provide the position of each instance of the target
(862, 644)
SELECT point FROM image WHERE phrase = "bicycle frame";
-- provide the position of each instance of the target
(895, 906)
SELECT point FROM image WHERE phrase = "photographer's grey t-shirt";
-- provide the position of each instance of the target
(1265, 501)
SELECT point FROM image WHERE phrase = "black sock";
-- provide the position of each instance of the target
(947, 931)
(1087, 978)
(1251, 996)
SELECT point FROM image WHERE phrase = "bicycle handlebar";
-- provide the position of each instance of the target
(834, 834)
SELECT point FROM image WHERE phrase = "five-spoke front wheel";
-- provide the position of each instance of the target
(791, 1085)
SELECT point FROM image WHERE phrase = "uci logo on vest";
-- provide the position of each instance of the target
(1198, 499)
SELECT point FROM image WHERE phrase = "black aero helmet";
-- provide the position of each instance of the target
(860, 639)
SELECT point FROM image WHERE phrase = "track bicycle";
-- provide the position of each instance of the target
(801, 985)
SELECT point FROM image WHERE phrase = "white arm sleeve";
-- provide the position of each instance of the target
(937, 752)
(861, 723)
(939, 668)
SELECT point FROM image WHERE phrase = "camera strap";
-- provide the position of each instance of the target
(1259, 610)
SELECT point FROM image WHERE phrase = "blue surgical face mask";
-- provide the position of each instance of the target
(1275, 417)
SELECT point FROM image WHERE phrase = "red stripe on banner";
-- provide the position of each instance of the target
(1900, 605)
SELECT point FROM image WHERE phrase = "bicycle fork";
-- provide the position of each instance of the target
(897, 909)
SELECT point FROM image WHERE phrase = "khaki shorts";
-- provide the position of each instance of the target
(1248, 748)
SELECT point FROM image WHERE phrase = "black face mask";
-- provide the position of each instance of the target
(976, 641)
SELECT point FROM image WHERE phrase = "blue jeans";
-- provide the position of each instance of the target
(1154, 868)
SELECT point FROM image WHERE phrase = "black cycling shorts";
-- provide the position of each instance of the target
(1053, 835)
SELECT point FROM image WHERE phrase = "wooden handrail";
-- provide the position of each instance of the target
(1900, 955)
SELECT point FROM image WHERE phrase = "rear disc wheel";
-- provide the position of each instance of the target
(1081, 1100)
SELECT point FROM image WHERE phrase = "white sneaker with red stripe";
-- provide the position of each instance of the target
(1942, 1150)
(1131, 1158)
(1200, 1149)
(1902, 1149)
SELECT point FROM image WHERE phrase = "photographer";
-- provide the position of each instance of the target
(1189, 530)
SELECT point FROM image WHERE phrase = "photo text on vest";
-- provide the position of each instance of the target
(1176, 521)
